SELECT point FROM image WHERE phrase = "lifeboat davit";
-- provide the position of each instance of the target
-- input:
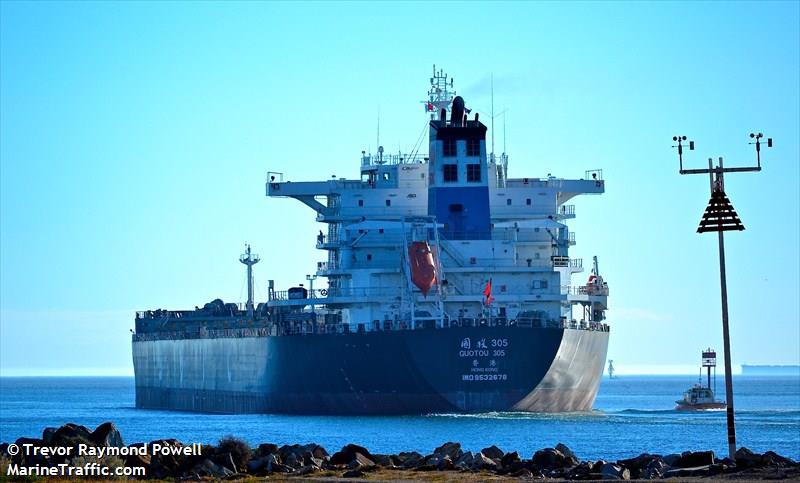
(423, 268)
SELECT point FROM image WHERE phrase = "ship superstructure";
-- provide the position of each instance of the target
(443, 274)
(484, 229)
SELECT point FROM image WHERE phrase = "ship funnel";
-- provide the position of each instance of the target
(457, 114)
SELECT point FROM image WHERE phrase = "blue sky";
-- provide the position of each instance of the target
(135, 139)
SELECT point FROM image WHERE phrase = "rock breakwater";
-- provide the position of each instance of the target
(74, 445)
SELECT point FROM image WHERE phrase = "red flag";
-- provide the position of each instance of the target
(487, 292)
(430, 107)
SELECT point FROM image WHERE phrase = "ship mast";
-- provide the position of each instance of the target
(440, 95)
(249, 259)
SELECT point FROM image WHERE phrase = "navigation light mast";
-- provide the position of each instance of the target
(249, 259)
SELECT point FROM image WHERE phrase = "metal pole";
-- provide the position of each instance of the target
(726, 342)
(249, 287)
(726, 339)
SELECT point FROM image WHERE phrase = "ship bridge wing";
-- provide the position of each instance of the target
(307, 191)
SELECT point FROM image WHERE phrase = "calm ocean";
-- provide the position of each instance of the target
(633, 415)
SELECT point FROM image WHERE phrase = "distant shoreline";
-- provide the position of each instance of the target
(785, 371)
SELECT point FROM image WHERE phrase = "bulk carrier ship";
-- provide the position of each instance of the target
(448, 290)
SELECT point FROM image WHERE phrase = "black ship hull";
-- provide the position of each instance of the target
(461, 369)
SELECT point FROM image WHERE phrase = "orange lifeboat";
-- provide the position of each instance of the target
(423, 268)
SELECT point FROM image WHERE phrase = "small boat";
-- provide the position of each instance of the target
(700, 398)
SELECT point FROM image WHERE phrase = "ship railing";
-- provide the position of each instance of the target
(534, 182)
(203, 333)
(318, 326)
(594, 174)
(566, 210)
(565, 261)
(321, 293)
(197, 312)
(588, 289)
(468, 261)
(368, 160)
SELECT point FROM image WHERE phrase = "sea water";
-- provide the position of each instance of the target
(633, 415)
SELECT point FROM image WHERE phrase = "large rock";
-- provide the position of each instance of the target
(637, 464)
(694, 459)
(671, 458)
(465, 461)
(47, 435)
(747, 459)
(264, 449)
(493, 452)
(316, 451)
(385, 460)
(445, 464)
(510, 462)
(349, 453)
(410, 459)
(687, 472)
(293, 460)
(209, 468)
(564, 449)
(22, 456)
(71, 435)
(137, 460)
(552, 459)
(774, 459)
(583, 471)
(360, 462)
(107, 435)
(226, 461)
(654, 469)
(483, 462)
(610, 471)
(453, 450)
(167, 465)
(273, 463)
(258, 466)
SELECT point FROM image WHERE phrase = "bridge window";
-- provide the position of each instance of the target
(528, 201)
(508, 201)
(473, 147)
(450, 173)
(449, 147)
(474, 173)
(360, 202)
(388, 202)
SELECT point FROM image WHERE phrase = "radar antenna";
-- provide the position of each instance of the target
(441, 93)
(249, 259)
